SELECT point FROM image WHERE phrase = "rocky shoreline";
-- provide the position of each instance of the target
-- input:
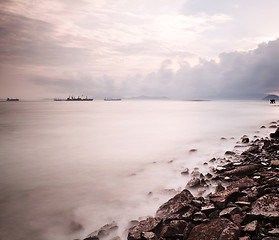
(245, 204)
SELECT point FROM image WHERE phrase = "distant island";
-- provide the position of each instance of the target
(142, 97)
(271, 96)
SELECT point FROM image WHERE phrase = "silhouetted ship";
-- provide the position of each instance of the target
(112, 99)
(12, 99)
(72, 98)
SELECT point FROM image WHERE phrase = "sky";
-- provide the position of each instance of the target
(181, 49)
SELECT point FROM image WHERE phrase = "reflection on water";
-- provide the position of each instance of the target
(67, 168)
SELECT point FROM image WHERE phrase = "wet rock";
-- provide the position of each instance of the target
(199, 217)
(208, 208)
(193, 150)
(229, 153)
(227, 212)
(185, 171)
(174, 228)
(274, 232)
(242, 183)
(245, 140)
(251, 227)
(194, 182)
(220, 199)
(243, 170)
(175, 204)
(148, 236)
(104, 231)
(221, 229)
(272, 126)
(276, 134)
(212, 160)
(262, 126)
(148, 225)
(266, 206)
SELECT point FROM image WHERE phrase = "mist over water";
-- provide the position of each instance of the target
(67, 168)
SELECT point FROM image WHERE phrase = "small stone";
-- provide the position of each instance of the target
(275, 163)
(193, 150)
(212, 160)
(227, 212)
(148, 236)
(185, 171)
(194, 182)
(274, 232)
(227, 178)
(245, 140)
(251, 227)
(208, 208)
(229, 153)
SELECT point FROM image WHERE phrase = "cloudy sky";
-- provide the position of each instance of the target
(182, 49)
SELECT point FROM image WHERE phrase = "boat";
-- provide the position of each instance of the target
(72, 98)
(12, 99)
(112, 99)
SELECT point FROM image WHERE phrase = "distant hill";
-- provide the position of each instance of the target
(148, 98)
(271, 96)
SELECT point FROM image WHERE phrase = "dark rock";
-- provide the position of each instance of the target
(245, 140)
(208, 208)
(237, 219)
(220, 199)
(173, 228)
(208, 175)
(262, 126)
(199, 217)
(274, 232)
(266, 206)
(104, 231)
(194, 182)
(148, 225)
(91, 238)
(243, 170)
(219, 188)
(212, 160)
(273, 126)
(193, 150)
(229, 153)
(221, 229)
(175, 204)
(270, 238)
(242, 183)
(227, 212)
(276, 134)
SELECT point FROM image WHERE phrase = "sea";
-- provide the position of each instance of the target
(68, 168)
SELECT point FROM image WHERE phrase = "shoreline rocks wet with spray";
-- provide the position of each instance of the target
(245, 204)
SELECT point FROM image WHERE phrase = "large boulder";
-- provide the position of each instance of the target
(266, 206)
(148, 225)
(175, 204)
(221, 229)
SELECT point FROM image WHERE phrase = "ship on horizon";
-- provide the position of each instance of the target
(12, 100)
(72, 98)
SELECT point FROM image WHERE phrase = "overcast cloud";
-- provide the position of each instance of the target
(182, 49)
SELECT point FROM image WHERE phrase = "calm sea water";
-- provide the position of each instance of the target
(67, 168)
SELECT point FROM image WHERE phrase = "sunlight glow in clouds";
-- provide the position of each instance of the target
(106, 48)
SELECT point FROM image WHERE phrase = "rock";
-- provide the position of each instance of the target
(193, 150)
(104, 231)
(148, 225)
(208, 208)
(175, 204)
(237, 219)
(219, 188)
(266, 206)
(220, 199)
(242, 170)
(148, 236)
(221, 229)
(195, 173)
(263, 127)
(212, 160)
(185, 171)
(251, 227)
(274, 232)
(194, 182)
(242, 183)
(273, 126)
(229, 153)
(276, 134)
(244, 238)
(227, 212)
(274, 163)
(245, 140)
(199, 217)
(174, 228)
(91, 238)
(270, 238)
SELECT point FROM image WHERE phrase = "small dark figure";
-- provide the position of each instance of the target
(276, 134)
(272, 101)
